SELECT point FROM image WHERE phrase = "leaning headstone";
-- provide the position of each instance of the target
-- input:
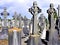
(34, 10)
(53, 36)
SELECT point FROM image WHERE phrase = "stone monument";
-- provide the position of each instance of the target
(35, 10)
(53, 35)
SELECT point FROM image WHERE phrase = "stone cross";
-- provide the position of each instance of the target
(50, 11)
(5, 14)
(15, 17)
(34, 10)
(53, 33)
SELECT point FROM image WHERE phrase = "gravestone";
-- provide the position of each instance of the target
(34, 10)
(15, 32)
(25, 28)
(4, 33)
(5, 28)
(53, 35)
(42, 26)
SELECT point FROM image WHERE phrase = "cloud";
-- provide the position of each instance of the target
(22, 6)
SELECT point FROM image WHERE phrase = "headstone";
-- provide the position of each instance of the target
(15, 32)
(25, 28)
(34, 10)
(42, 24)
(53, 36)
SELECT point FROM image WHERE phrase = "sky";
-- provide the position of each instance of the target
(22, 6)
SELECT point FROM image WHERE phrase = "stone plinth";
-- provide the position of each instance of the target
(14, 33)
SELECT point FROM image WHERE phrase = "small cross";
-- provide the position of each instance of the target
(5, 13)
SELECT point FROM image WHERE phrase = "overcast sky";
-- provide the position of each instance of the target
(22, 6)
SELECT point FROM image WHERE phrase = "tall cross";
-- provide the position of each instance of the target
(34, 10)
(53, 32)
(5, 14)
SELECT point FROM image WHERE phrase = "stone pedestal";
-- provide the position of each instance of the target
(14, 37)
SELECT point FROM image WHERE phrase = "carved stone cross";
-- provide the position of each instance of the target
(34, 10)
(53, 35)
(5, 14)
